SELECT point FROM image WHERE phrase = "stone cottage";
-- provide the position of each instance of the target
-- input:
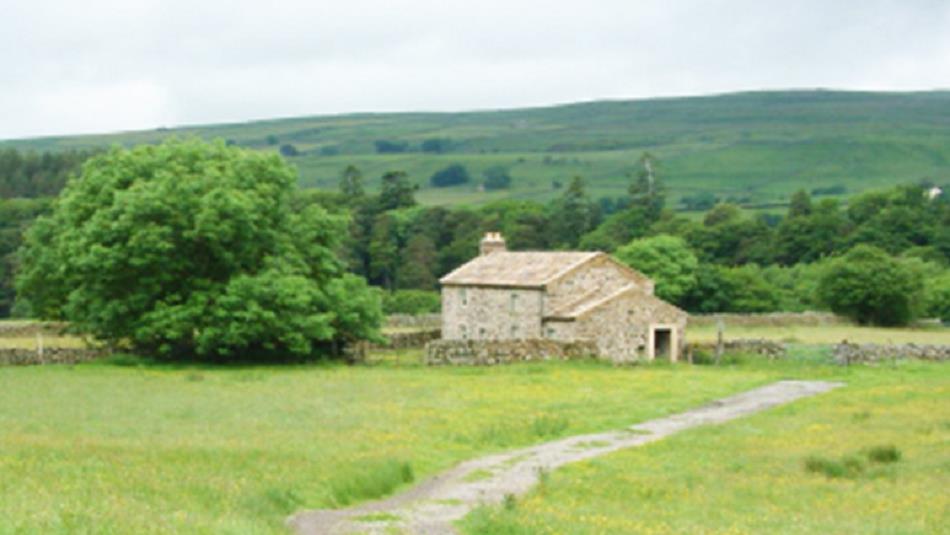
(561, 296)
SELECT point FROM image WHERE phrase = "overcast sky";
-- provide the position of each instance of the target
(71, 66)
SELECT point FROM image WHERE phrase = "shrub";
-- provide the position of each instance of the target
(496, 177)
(452, 175)
(436, 145)
(385, 146)
(869, 286)
(847, 467)
(884, 454)
(938, 297)
(412, 302)
(288, 150)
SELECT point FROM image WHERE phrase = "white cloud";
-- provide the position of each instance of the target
(99, 65)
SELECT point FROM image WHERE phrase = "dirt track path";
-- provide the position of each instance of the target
(432, 506)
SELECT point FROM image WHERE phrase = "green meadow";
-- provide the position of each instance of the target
(124, 446)
(872, 457)
(753, 148)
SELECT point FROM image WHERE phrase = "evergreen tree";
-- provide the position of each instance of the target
(572, 215)
(647, 192)
(397, 191)
(351, 182)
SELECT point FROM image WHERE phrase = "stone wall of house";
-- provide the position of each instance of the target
(51, 355)
(601, 275)
(622, 327)
(491, 352)
(855, 353)
(488, 313)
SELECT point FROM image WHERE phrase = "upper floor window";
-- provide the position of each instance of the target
(513, 302)
(464, 294)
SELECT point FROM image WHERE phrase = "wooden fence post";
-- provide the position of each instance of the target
(720, 345)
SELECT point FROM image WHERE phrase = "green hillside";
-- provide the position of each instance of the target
(755, 148)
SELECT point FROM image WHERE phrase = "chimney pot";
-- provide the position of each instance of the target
(492, 242)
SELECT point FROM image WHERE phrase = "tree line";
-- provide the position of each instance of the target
(730, 260)
(727, 260)
(34, 174)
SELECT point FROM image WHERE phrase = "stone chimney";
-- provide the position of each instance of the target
(491, 242)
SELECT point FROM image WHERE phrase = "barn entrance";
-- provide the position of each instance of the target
(663, 343)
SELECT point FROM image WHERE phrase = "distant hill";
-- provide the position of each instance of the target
(756, 148)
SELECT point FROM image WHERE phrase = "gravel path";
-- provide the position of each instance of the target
(432, 506)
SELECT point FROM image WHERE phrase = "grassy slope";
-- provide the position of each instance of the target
(757, 145)
(106, 449)
(748, 476)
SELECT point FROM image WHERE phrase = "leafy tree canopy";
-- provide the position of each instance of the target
(665, 259)
(192, 250)
(869, 286)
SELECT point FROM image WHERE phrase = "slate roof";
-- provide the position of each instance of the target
(517, 269)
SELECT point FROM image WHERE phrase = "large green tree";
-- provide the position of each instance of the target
(191, 250)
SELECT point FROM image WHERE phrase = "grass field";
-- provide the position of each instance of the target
(125, 447)
(757, 148)
(753, 475)
(102, 448)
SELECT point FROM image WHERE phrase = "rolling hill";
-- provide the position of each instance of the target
(755, 148)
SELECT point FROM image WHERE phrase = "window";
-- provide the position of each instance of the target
(513, 304)
(481, 332)
(464, 330)
(464, 294)
(550, 332)
(514, 331)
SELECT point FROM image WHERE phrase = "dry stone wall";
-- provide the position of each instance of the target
(870, 353)
(776, 319)
(491, 352)
(51, 355)
(24, 329)
(411, 339)
(410, 321)
(765, 348)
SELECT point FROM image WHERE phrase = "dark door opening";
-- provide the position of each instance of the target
(662, 344)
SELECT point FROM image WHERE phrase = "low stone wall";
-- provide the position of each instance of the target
(24, 329)
(491, 352)
(51, 355)
(861, 353)
(421, 321)
(774, 319)
(766, 348)
(411, 339)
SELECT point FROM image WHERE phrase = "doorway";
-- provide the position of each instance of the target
(662, 344)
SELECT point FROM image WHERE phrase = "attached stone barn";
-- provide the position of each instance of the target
(561, 296)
